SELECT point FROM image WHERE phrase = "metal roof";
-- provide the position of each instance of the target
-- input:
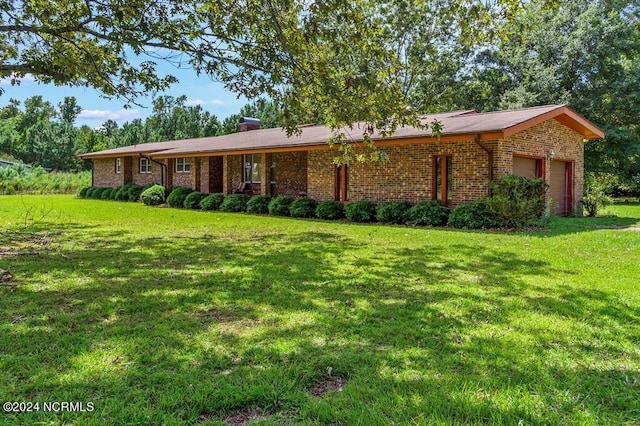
(459, 125)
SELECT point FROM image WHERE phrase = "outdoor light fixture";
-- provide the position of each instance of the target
(552, 155)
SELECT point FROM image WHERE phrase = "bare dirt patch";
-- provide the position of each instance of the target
(330, 384)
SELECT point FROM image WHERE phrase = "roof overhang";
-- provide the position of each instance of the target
(564, 115)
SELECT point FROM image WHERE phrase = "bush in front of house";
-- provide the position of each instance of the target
(330, 210)
(427, 213)
(153, 196)
(392, 211)
(303, 207)
(82, 192)
(517, 201)
(212, 202)
(279, 206)
(178, 195)
(192, 201)
(235, 203)
(107, 194)
(360, 211)
(133, 193)
(122, 192)
(259, 204)
(474, 215)
(96, 194)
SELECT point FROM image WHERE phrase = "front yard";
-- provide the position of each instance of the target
(165, 316)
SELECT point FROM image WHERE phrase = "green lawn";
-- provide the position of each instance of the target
(165, 316)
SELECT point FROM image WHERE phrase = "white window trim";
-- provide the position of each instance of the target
(118, 165)
(183, 165)
(147, 169)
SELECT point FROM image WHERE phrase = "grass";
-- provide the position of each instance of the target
(166, 316)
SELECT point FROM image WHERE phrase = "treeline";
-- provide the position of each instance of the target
(40, 134)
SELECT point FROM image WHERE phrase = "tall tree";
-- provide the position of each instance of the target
(69, 109)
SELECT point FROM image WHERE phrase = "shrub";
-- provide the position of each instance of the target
(235, 203)
(330, 210)
(192, 201)
(517, 201)
(177, 196)
(212, 202)
(96, 194)
(279, 206)
(89, 192)
(392, 211)
(360, 211)
(107, 194)
(474, 215)
(594, 198)
(133, 193)
(82, 193)
(303, 207)
(122, 192)
(427, 213)
(153, 196)
(259, 204)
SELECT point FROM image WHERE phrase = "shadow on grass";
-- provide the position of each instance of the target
(160, 330)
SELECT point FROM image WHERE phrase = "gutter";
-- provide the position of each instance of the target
(476, 139)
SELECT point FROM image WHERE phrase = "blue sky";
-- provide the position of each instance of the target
(96, 110)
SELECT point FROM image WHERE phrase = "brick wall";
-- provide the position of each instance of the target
(146, 178)
(538, 141)
(232, 164)
(405, 176)
(182, 178)
(291, 173)
(104, 173)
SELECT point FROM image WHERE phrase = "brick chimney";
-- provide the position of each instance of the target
(248, 123)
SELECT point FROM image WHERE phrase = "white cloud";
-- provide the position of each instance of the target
(194, 102)
(99, 114)
(27, 78)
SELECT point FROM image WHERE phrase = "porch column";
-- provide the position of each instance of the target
(195, 173)
(170, 169)
(227, 178)
(265, 181)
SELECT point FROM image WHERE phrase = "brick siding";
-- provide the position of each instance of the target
(146, 178)
(291, 173)
(538, 141)
(104, 173)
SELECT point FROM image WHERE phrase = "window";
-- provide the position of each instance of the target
(145, 165)
(252, 168)
(442, 178)
(118, 165)
(183, 165)
(341, 183)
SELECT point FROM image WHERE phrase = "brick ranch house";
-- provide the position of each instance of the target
(474, 148)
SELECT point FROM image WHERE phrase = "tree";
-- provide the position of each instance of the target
(326, 59)
(69, 109)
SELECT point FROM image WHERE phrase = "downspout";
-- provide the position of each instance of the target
(476, 139)
(163, 167)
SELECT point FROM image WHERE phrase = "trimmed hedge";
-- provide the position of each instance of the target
(122, 192)
(330, 210)
(360, 211)
(474, 215)
(153, 196)
(392, 211)
(178, 195)
(235, 203)
(259, 204)
(192, 201)
(212, 202)
(427, 213)
(518, 201)
(107, 194)
(96, 194)
(279, 206)
(82, 192)
(303, 207)
(134, 192)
